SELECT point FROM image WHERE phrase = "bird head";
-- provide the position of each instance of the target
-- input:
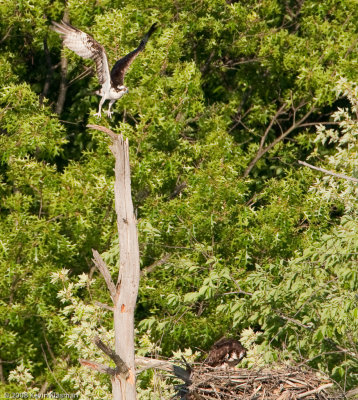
(117, 92)
(123, 89)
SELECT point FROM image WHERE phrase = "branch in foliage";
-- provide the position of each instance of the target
(121, 366)
(103, 269)
(51, 372)
(147, 363)
(98, 367)
(111, 134)
(342, 176)
(86, 72)
(238, 286)
(157, 263)
(6, 34)
(295, 125)
(294, 321)
(103, 305)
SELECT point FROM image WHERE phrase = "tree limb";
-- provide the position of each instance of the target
(157, 263)
(86, 72)
(104, 369)
(147, 363)
(6, 34)
(121, 367)
(263, 150)
(103, 269)
(294, 321)
(273, 120)
(111, 134)
(342, 176)
(105, 306)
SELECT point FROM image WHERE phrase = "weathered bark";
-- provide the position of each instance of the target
(124, 293)
(129, 271)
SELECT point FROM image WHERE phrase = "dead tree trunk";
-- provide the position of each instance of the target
(128, 277)
(124, 293)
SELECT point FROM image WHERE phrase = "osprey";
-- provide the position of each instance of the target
(225, 353)
(85, 46)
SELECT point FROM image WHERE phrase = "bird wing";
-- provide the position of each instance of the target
(217, 356)
(222, 342)
(120, 67)
(85, 46)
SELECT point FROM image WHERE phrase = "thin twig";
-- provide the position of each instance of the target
(6, 34)
(53, 375)
(86, 72)
(157, 263)
(273, 120)
(263, 150)
(238, 286)
(294, 321)
(342, 176)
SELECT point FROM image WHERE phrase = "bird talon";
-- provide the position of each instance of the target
(98, 115)
(109, 114)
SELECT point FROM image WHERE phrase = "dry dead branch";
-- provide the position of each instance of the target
(325, 171)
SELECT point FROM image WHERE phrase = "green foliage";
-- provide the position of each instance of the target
(274, 252)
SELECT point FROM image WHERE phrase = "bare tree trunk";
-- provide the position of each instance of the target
(128, 277)
(64, 67)
(124, 293)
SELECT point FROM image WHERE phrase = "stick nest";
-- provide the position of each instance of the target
(266, 384)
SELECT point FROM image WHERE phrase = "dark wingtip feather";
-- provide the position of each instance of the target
(152, 28)
(62, 27)
(147, 36)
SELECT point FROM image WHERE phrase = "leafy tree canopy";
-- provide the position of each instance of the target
(233, 233)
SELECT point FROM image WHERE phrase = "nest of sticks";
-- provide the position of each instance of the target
(285, 383)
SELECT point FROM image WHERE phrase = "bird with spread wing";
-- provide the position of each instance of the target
(85, 46)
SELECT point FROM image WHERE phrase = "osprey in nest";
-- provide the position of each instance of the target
(225, 353)
(85, 46)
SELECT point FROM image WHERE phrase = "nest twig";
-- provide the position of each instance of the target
(286, 383)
